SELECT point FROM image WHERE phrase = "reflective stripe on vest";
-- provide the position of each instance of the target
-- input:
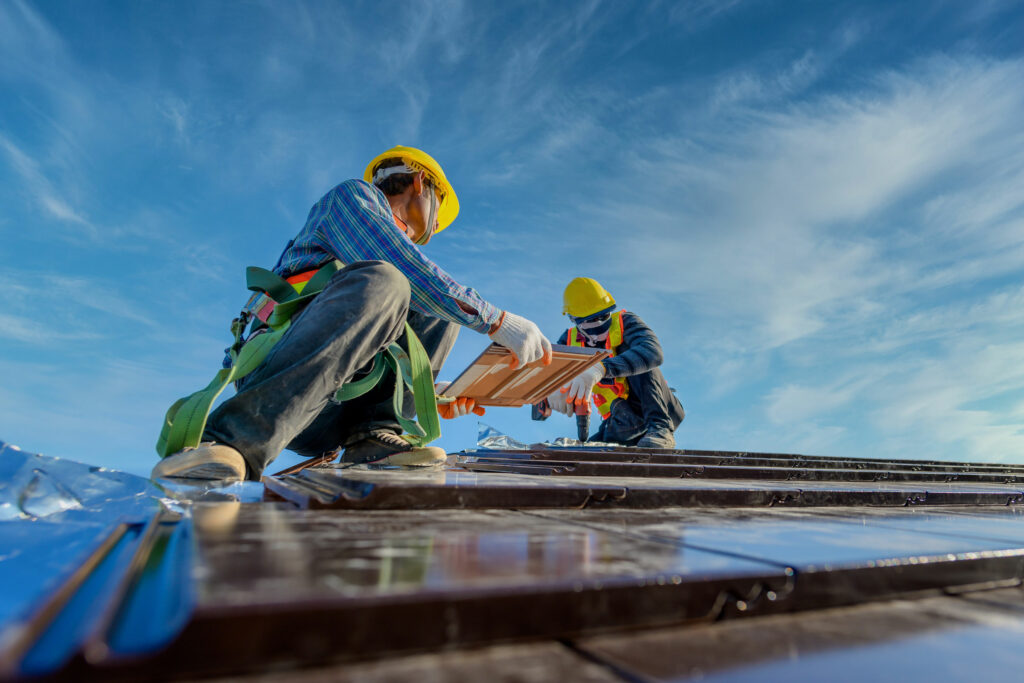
(607, 391)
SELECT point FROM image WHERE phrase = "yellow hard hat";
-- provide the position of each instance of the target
(584, 297)
(421, 161)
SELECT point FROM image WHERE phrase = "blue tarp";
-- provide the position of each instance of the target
(55, 515)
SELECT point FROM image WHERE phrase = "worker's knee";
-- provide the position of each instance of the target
(386, 280)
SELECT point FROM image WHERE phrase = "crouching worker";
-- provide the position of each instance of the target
(345, 336)
(636, 404)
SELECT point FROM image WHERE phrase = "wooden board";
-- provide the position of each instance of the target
(491, 382)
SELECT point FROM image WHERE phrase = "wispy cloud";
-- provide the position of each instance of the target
(112, 418)
(176, 113)
(28, 44)
(48, 309)
(788, 202)
(41, 189)
(28, 331)
(697, 12)
(769, 81)
(927, 401)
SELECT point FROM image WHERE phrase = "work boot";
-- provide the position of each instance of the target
(657, 437)
(208, 461)
(387, 448)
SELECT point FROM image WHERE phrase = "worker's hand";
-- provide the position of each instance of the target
(582, 385)
(558, 403)
(459, 407)
(523, 338)
(541, 411)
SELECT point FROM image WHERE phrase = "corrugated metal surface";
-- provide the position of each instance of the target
(729, 564)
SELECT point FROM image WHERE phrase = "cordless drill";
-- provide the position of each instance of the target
(583, 421)
(542, 410)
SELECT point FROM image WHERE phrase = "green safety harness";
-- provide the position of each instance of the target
(186, 419)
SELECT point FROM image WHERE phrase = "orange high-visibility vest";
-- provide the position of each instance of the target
(607, 391)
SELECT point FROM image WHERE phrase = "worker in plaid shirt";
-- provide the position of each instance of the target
(375, 226)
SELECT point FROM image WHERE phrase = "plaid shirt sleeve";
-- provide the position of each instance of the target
(353, 222)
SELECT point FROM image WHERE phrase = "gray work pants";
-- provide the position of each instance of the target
(286, 402)
(651, 404)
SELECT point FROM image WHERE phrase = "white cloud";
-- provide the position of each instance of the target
(997, 316)
(947, 381)
(28, 331)
(112, 418)
(794, 404)
(176, 113)
(47, 309)
(41, 189)
(929, 402)
(28, 44)
(698, 12)
(745, 87)
(790, 204)
(768, 82)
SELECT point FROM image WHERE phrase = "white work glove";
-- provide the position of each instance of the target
(559, 404)
(583, 384)
(523, 338)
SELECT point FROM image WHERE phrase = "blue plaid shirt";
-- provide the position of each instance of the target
(353, 222)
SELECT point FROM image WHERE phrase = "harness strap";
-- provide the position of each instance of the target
(268, 282)
(359, 387)
(421, 379)
(186, 419)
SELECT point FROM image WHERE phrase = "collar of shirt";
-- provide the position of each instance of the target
(402, 225)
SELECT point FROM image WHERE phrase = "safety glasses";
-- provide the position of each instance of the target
(591, 321)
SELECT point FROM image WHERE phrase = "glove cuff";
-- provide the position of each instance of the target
(495, 326)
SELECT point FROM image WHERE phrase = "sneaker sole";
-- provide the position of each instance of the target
(207, 471)
(425, 457)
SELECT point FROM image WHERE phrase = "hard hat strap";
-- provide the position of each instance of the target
(431, 218)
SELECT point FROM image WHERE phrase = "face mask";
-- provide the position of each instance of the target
(595, 331)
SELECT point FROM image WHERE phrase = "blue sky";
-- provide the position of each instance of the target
(819, 207)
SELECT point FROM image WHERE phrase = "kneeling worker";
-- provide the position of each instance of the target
(351, 284)
(636, 404)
